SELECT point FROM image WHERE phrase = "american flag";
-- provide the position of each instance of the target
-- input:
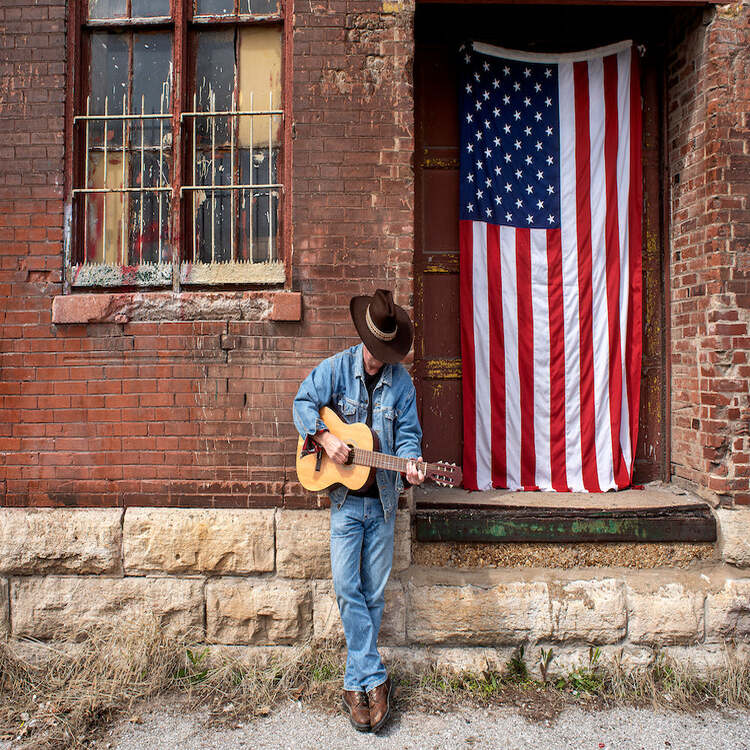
(550, 237)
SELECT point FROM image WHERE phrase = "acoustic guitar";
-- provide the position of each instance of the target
(317, 472)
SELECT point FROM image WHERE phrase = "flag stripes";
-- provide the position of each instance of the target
(550, 317)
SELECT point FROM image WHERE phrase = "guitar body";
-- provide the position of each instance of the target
(355, 477)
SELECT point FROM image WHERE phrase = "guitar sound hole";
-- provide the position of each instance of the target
(350, 457)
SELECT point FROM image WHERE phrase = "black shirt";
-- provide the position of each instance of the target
(370, 382)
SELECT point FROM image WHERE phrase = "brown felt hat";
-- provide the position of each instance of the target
(384, 327)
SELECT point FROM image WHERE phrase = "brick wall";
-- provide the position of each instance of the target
(195, 412)
(709, 172)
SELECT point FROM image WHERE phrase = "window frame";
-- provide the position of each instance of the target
(181, 23)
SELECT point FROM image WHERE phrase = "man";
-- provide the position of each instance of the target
(367, 384)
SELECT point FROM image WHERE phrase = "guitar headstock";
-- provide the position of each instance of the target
(446, 475)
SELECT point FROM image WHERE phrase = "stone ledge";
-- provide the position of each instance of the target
(221, 542)
(107, 307)
(667, 615)
(4, 608)
(60, 540)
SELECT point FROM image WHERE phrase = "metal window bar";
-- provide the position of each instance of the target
(124, 189)
(252, 186)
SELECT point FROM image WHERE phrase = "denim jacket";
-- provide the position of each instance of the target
(339, 382)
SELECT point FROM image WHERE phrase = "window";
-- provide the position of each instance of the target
(179, 138)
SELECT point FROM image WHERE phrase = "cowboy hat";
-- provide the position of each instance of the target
(384, 327)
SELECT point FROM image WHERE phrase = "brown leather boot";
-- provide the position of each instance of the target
(379, 699)
(354, 703)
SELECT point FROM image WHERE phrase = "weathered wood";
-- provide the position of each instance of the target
(689, 523)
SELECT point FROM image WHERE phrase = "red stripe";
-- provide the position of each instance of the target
(526, 356)
(612, 244)
(497, 357)
(583, 229)
(466, 246)
(556, 362)
(633, 344)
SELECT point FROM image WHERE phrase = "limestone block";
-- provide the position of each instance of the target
(567, 658)
(327, 622)
(669, 615)
(458, 659)
(508, 613)
(4, 608)
(728, 612)
(402, 541)
(705, 661)
(734, 536)
(591, 611)
(303, 544)
(60, 540)
(258, 612)
(60, 607)
(179, 540)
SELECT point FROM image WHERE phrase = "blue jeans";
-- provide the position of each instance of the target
(361, 560)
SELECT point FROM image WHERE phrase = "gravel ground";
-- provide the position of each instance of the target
(160, 727)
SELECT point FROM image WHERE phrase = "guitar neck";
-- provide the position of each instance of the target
(383, 461)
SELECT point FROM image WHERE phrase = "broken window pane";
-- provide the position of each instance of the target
(148, 231)
(213, 209)
(108, 85)
(108, 8)
(259, 207)
(149, 8)
(214, 77)
(214, 7)
(152, 85)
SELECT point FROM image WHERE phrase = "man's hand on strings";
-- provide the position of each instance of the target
(336, 449)
(413, 474)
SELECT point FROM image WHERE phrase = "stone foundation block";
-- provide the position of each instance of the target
(303, 543)
(505, 614)
(734, 536)
(258, 612)
(4, 608)
(303, 548)
(591, 611)
(460, 660)
(567, 658)
(669, 615)
(327, 622)
(60, 540)
(728, 612)
(226, 541)
(58, 607)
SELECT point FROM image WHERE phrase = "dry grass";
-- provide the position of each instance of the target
(62, 700)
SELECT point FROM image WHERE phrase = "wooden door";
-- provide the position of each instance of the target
(439, 31)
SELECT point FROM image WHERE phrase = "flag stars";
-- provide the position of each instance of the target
(551, 219)
(480, 193)
(478, 105)
(498, 200)
(470, 177)
(488, 152)
(529, 219)
(498, 170)
(550, 189)
(539, 175)
(479, 135)
(550, 159)
(527, 130)
(526, 72)
(469, 147)
(517, 144)
(495, 84)
(467, 58)
(469, 117)
(506, 128)
(480, 165)
(476, 76)
(516, 115)
(540, 204)
(506, 99)
(548, 131)
(496, 141)
(508, 217)
(548, 102)
(488, 211)
(529, 189)
(470, 207)
(537, 87)
(527, 102)
(485, 95)
(538, 116)
(538, 145)
(506, 71)
(468, 88)
(488, 182)
(547, 73)
(516, 86)
(487, 124)
(519, 203)
(519, 174)
(528, 160)
(507, 158)
(508, 187)
(486, 66)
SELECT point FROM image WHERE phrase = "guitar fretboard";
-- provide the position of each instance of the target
(384, 461)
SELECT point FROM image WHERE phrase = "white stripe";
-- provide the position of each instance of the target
(623, 194)
(563, 57)
(540, 312)
(482, 357)
(600, 315)
(512, 378)
(569, 246)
